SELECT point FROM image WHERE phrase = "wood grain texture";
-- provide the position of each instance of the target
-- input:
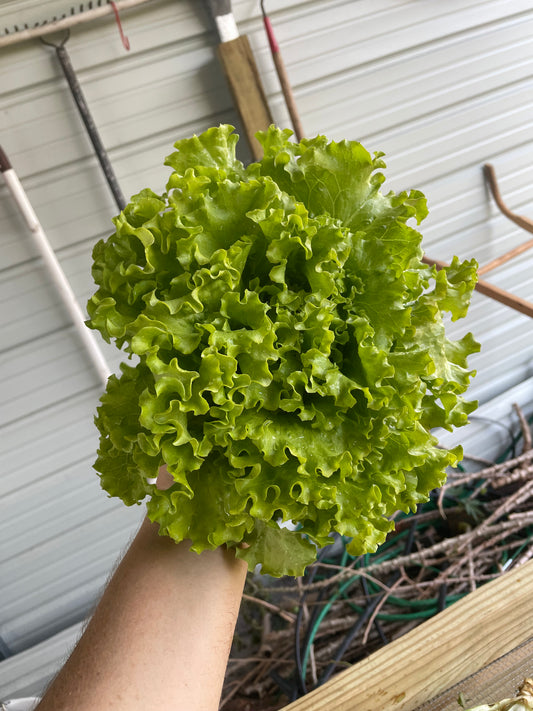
(454, 644)
(245, 85)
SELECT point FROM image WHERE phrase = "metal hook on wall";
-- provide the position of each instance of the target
(520, 220)
(484, 287)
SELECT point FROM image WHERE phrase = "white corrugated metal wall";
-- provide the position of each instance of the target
(440, 87)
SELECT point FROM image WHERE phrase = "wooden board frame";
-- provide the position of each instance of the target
(441, 652)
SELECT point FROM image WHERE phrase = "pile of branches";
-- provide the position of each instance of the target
(294, 635)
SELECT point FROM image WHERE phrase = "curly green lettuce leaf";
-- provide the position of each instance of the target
(277, 548)
(291, 350)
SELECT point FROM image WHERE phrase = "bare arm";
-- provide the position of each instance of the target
(161, 634)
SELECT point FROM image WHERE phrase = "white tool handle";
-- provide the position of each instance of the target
(226, 27)
(58, 276)
(222, 15)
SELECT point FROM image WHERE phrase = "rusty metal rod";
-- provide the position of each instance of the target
(504, 297)
(520, 220)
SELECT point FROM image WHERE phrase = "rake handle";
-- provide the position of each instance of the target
(284, 80)
(88, 121)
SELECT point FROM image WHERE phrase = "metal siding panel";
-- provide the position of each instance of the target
(29, 673)
(31, 303)
(40, 373)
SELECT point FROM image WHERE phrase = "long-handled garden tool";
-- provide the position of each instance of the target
(53, 266)
(86, 117)
(23, 22)
(282, 76)
(238, 63)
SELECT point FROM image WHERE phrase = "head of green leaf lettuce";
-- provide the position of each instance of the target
(292, 358)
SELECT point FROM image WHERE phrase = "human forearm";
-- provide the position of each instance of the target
(161, 634)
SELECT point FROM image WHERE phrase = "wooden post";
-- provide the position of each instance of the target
(245, 84)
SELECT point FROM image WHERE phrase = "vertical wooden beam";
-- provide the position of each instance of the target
(245, 85)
